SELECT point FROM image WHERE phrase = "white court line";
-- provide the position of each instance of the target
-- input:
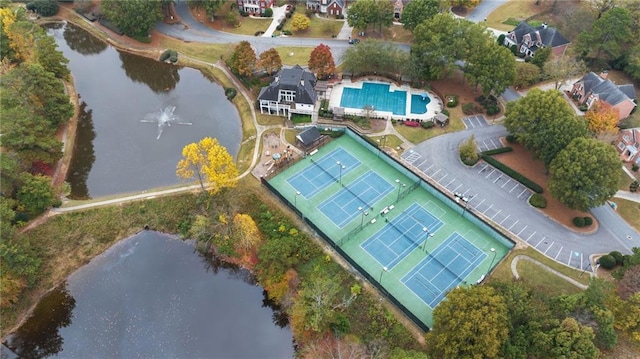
(496, 213)
(534, 232)
(514, 187)
(514, 223)
(490, 173)
(521, 193)
(450, 183)
(505, 218)
(543, 238)
(525, 227)
(460, 185)
(556, 257)
(552, 243)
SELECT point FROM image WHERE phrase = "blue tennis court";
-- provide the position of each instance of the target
(363, 193)
(399, 237)
(376, 95)
(443, 269)
(325, 171)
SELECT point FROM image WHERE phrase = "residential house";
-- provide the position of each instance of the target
(329, 7)
(256, 7)
(592, 87)
(398, 7)
(529, 39)
(290, 91)
(628, 145)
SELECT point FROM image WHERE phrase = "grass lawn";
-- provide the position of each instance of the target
(624, 181)
(389, 141)
(416, 135)
(514, 11)
(503, 271)
(248, 26)
(290, 135)
(543, 281)
(209, 52)
(300, 55)
(269, 120)
(320, 27)
(628, 210)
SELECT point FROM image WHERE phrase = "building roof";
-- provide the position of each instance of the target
(549, 36)
(293, 79)
(308, 136)
(606, 90)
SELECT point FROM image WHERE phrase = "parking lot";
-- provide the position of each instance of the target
(496, 209)
(475, 121)
(489, 144)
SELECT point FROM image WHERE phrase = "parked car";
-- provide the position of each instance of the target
(354, 41)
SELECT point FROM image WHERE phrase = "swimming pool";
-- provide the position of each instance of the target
(419, 103)
(376, 95)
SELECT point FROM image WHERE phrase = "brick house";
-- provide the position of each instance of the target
(628, 145)
(290, 91)
(529, 39)
(329, 7)
(592, 87)
(255, 7)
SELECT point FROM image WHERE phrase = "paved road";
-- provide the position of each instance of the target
(482, 11)
(503, 200)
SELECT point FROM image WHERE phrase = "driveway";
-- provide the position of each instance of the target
(486, 7)
(503, 201)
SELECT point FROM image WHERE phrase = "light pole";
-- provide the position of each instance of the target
(384, 269)
(493, 250)
(295, 199)
(364, 213)
(341, 167)
(381, 143)
(400, 185)
(429, 235)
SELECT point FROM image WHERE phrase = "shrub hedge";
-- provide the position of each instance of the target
(607, 261)
(511, 138)
(512, 173)
(452, 100)
(165, 56)
(618, 257)
(427, 124)
(578, 221)
(588, 221)
(538, 201)
(498, 151)
(230, 92)
(633, 187)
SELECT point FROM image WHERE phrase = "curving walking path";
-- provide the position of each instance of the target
(514, 270)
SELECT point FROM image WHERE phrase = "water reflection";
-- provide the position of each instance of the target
(160, 77)
(41, 338)
(153, 296)
(82, 42)
(81, 165)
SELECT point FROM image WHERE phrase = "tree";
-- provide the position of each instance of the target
(630, 282)
(599, 7)
(610, 34)
(35, 195)
(526, 74)
(300, 22)
(602, 120)
(468, 151)
(321, 61)
(210, 162)
(417, 11)
(571, 340)
(560, 69)
(543, 122)
(469, 323)
(627, 314)
(270, 61)
(243, 60)
(585, 174)
(364, 13)
(247, 232)
(632, 67)
(209, 6)
(135, 18)
(375, 56)
(493, 67)
(542, 55)
(7, 215)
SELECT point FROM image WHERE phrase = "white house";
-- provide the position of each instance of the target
(291, 91)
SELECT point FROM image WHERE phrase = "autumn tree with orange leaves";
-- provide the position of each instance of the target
(321, 61)
(270, 61)
(243, 60)
(602, 120)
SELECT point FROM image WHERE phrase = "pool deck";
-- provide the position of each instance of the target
(434, 107)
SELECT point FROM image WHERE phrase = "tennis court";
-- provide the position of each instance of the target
(345, 205)
(377, 95)
(444, 269)
(401, 235)
(314, 179)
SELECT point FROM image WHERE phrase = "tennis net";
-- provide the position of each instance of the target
(404, 234)
(324, 170)
(366, 205)
(447, 268)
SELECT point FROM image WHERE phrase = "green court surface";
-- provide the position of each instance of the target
(379, 213)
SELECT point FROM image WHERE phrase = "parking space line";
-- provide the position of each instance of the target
(545, 252)
(514, 187)
(494, 144)
(428, 168)
(483, 168)
(445, 176)
(436, 172)
(490, 173)
(570, 258)
(489, 207)
(496, 214)
(447, 186)
(556, 257)
(505, 183)
(581, 260)
(478, 205)
(534, 232)
(514, 223)
(525, 227)
(543, 238)
(505, 218)
(497, 179)
(521, 193)
(455, 189)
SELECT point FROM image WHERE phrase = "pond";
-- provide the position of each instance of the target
(154, 296)
(117, 152)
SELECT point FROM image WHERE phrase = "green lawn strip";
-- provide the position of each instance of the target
(389, 141)
(249, 26)
(512, 12)
(290, 135)
(269, 120)
(416, 135)
(624, 180)
(629, 210)
(540, 280)
(503, 271)
(319, 27)
(292, 55)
